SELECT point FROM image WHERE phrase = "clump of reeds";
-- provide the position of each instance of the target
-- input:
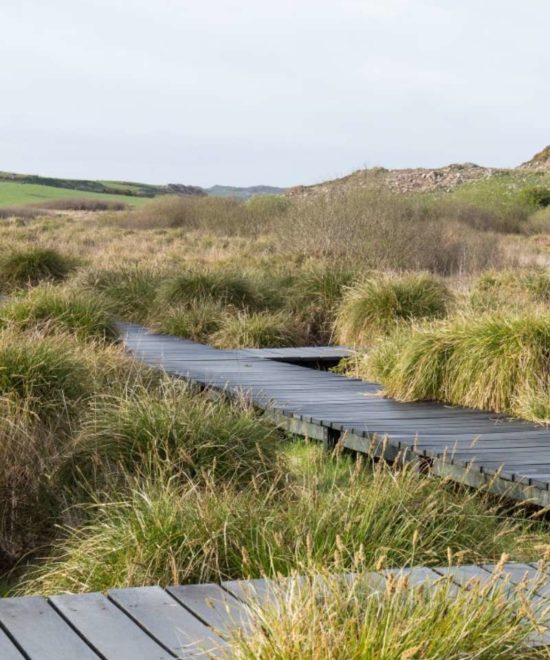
(28, 267)
(51, 308)
(491, 361)
(378, 304)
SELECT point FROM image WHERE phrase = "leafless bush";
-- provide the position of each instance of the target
(82, 204)
(220, 215)
(387, 231)
(23, 212)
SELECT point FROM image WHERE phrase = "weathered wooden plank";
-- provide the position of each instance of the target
(8, 651)
(213, 605)
(41, 631)
(462, 443)
(164, 618)
(107, 629)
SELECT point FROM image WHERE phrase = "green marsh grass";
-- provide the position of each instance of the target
(197, 320)
(378, 304)
(321, 617)
(319, 514)
(29, 267)
(488, 361)
(199, 437)
(220, 286)
(51, 308)
(41, 370)
(508, 289)
(258, 330)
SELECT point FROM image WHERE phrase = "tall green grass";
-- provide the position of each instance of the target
(31, 266)
(491, 361)
(257, 330)
(50, 308)
(42, 371)
(376, 305)
(196, 436)
(510, 289)
(318, 514)
(325, 617)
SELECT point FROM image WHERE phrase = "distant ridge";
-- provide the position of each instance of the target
(243, 193)
(128, 189)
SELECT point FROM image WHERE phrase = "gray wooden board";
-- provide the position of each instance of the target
(35, 625)
(165, 619)
(107, 629)
(329, 400)
(7, 649)
(213, 605)
(136, 623)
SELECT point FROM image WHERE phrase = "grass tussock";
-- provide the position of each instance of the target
(377, 305)
(198, 320)
(31, 266)
(492, 361)
(257, 330)
(42, 371)
(510, 289)
(325, 617)
(223, 287)
(129, 292)
(52, 309)
(317, 514)
(196, 436)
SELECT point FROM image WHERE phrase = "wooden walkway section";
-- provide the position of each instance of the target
(192, 621)
(507, 456)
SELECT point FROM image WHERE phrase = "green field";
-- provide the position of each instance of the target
(19, 194)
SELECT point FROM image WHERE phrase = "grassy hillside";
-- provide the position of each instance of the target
(13, 193)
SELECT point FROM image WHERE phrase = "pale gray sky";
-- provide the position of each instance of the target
(269, 91)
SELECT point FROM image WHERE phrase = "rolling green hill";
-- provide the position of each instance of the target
(13, 193)
(23, 189)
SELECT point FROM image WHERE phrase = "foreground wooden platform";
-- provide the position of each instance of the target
(190, 621)
(506, 456)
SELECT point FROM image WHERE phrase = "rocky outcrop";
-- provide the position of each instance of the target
(540, 162)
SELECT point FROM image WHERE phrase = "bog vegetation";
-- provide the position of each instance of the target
(115, 475)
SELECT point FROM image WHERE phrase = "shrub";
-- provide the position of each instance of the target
(268, 205)
(196, 321)
(536, 197)
(48, 307)
(325, 616)
(325, 515)
(376, 305)
(197, 436)
(29, 267)
(258, 330)
(487, 362)
(382, 230)
(20, 212)
(130, 292)
(82, 204)
(224, 287)
(220, 215)
(43, 371)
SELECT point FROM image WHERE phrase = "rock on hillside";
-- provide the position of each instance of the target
(540, 162)
(413, 180)
(419, 180)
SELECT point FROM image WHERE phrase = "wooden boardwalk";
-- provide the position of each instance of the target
(191, 621)
(506, 456)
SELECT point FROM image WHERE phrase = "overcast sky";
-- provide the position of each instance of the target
(269, 91)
